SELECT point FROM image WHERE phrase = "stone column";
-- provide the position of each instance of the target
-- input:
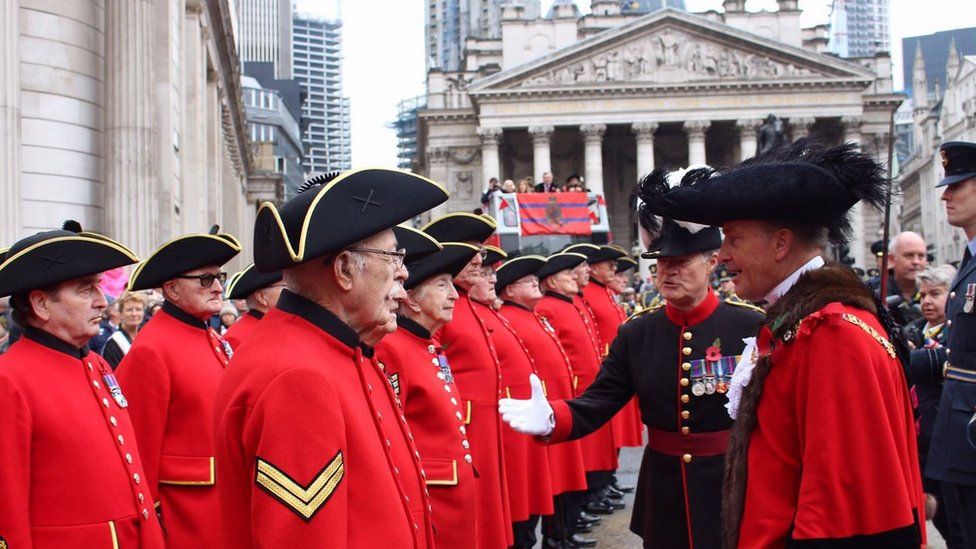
(593, 155)
(490, 161)
(541, 162)
(129, 133)
(696, 141)
(10, 224)
(852, 129)
(800, 126)
(644, 132)
(859, 241)
(747, 136)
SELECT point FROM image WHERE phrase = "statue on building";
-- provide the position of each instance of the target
(772, 134)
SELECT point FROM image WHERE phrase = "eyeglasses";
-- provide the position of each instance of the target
(206, 280)
(483, 253)
(396, 256)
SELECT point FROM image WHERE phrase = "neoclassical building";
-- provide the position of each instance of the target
(125, 115)
(611, 96)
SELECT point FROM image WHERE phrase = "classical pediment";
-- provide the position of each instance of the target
(671, 48)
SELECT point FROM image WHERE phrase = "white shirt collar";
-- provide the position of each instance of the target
(788, 283)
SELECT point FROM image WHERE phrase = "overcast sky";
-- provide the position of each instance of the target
(384, 53)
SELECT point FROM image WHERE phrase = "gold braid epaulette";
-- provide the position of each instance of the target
(644, 311)
(853, 319)
(744, 304)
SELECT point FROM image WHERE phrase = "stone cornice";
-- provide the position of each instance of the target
(448, 114)
(223, 39)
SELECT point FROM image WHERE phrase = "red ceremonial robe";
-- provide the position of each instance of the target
(831, 454)
(628, 430)
(553, 367)
(529, 491)
(241, 330)
(478, 377)
(170, 377)
(575, 331)
(314, 449)
(412, 361)
(71, 476)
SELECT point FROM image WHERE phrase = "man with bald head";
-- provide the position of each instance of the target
(907, 256)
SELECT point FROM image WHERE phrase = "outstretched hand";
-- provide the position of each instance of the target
(532, 416)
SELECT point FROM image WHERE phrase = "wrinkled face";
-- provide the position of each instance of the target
(524, 291)
(581, 273)
(471, 275)
(960, 204)
(619, 283)
(933, 302)
(910, 257)
(435, 297)
(132, 314)
(683, 280)
(378, 286)
(484, 290)
(190, 295)
(73, 310)
(748, 252)
(563, 283)
(603, 271)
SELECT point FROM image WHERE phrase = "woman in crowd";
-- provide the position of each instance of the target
(132, 306)
(525, 185)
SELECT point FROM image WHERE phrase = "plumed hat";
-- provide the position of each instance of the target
(461, 227)
(52, 257)
(248, 281)
(183, 254)
(516, 268)
(560, 262)
(451, 260)
(335, 210)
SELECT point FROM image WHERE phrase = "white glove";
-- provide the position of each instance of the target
(532, 416)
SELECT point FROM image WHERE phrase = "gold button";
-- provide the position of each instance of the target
(685, 430)
(686, 351)
(686, 458)
(435, 362)
(459, 416)
(686, 366)
(128, 457)
(952, 295)
(465, 444)
(684, 382)
(136, 478)
(95, 384)
(105, 402)
(113, 421)
(685, 414)
(142, 498)
(467, 458)
(687, 336)
(121, 440)
(685, 398)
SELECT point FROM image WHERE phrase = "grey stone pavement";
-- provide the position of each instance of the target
(614, 531)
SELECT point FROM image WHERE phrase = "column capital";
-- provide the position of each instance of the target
(593, 133)
(489, 136)
(802, 122)
(852, 122)
(748, 124)
(644, 129)
(541, 134)
(696, 128)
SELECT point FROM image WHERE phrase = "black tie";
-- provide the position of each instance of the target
(965, 259)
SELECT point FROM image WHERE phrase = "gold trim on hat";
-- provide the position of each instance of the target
(224, 238)
(487, 219)
(103, 240)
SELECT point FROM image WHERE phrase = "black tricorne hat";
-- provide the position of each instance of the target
(51, 257)
(182, 254)
(451, 259)
(516, 268)
(958, 161)
(799, 183)
(248, 281)
(494, 254)
(560, 262)
(461, 227)
(626, 263)
(417, 243)
(336, 210)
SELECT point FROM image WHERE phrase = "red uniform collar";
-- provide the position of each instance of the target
(695, 316)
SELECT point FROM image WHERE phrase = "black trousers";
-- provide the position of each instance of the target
(960, 513)
(524, 532)
(561, 525)
(596, 481)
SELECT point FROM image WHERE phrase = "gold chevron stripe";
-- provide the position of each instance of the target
(305, 501)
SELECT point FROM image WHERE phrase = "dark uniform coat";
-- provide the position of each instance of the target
(314, 449)
(71, 474)
(170, 377)
(242, 329)
(657, 356)
(420, 375)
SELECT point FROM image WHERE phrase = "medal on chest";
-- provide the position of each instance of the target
(113, 388)
(970, 296)
(713, 373)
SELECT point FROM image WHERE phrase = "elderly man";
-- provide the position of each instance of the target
(421, 376)
(313, 447)
(907, 256)
(171, 374)
(823, 450)
(261, 292)
(72, 474)
(547, 185)
(952, 457)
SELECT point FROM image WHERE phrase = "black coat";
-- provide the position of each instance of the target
(647, 359)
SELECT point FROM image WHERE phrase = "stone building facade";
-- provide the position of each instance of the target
(611, 96)
(125, 115)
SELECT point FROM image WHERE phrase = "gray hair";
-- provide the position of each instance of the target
(937, 276)
(893, 243)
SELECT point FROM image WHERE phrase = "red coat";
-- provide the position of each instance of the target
(71, 474)
(477, 374)
(575, 331)
(170, 377)
(242, 329)
(529, 490)
(314, 449)
(567, 473)
(412, 361)
(828, 466)
(628, 430)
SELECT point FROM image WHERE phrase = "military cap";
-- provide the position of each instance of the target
(182, 254)
(451, 259)
(51, 257)
(724, 275)
(333, 211)
(248, 281)
(797, 183)
(560, 262)
(417, 243)
(626, 263)
(494, 254)
(878, 248)
(872, 272)
(461, 227)
(516, 268)
(958, 161)
(653, 269)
